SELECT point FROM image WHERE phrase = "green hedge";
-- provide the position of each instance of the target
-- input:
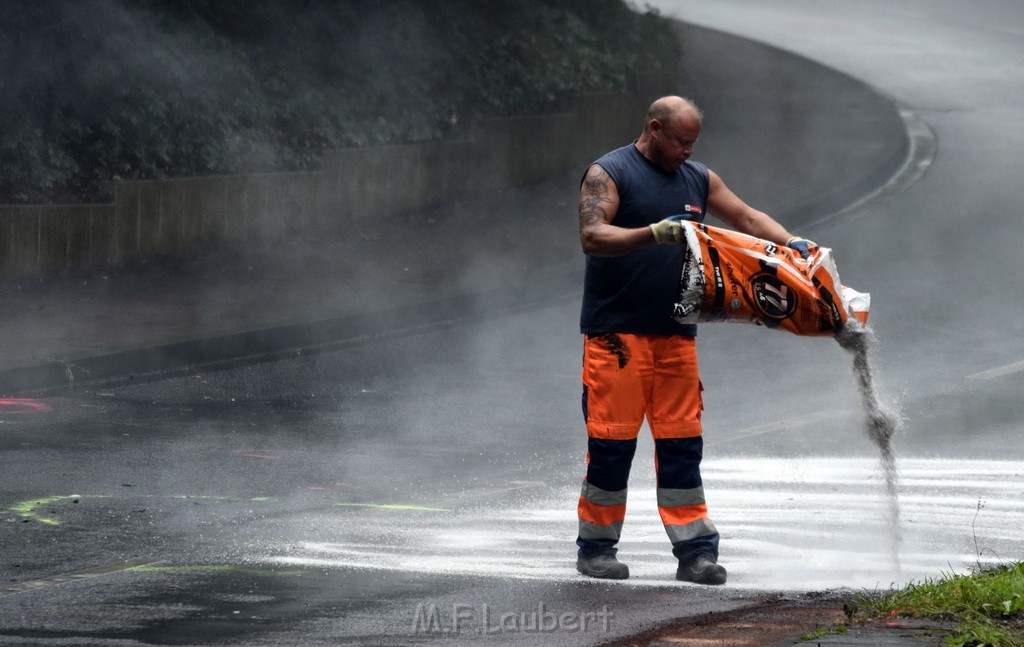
(94, 90)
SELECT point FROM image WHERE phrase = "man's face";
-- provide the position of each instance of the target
(674, 140)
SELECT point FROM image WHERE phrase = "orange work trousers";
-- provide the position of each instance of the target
(627, 378)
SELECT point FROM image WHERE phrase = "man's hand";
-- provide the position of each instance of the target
(801, 245)
(668, 232)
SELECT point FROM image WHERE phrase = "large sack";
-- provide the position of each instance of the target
(729, 276)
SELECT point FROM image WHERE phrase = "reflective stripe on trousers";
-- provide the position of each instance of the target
(602, 503)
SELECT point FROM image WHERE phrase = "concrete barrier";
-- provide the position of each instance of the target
(790, 136)
(43, 240)
(174, 218)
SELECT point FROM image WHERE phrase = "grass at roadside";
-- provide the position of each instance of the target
(987, 606)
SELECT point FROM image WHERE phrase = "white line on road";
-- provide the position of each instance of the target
(999, 371)
(79, 575)
(780, 425)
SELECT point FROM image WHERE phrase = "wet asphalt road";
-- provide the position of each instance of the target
(338, 498)
(379, 494)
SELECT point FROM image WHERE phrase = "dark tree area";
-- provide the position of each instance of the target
(94, 90)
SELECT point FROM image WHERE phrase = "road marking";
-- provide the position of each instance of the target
(391, 506)
(218, 568)
(253, 453)
(921, 152)
(78, 575)
(27, 509)
(999, 371)
(23, 405)
(780, 425)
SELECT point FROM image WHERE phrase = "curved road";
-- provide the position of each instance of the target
(941, 259)
(379, 494)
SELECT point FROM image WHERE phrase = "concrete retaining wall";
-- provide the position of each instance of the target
(161, 219)
(790, 136)
(47, 239)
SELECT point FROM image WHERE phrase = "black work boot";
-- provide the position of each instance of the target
(701, 569)
(605, 567)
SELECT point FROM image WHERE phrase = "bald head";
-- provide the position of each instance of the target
(670, 131)
(666, 109)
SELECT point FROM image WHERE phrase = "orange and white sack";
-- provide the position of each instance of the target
(729, 276)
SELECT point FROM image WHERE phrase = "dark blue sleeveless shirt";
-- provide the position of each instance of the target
(635, 293)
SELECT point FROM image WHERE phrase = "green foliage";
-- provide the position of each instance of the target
(823, 631)
(96, 90)
(988, 605)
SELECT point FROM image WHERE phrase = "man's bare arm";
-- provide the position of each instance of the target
(599, 202)
(724, 204)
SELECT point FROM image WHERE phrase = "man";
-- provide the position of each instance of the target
(638, 362)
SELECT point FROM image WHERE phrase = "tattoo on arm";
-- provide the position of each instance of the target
(594, 197)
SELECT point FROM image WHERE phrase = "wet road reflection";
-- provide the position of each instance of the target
(786, 523)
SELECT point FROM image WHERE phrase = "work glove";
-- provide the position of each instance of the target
(668, 232)
(801, 245)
